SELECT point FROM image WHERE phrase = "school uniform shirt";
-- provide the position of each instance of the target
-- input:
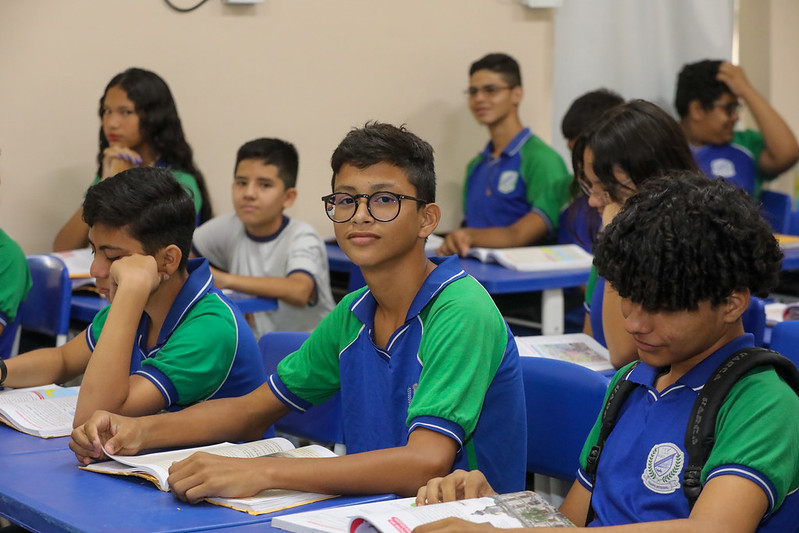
(452, 367)
(736, 161)
(15, 282)
(295, 247)
(205, 348)
(528, 176)
(639, 478)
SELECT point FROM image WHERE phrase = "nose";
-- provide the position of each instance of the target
(362, 213)
(636, 319)
(249, 191)
(596, 200)
(99, 267)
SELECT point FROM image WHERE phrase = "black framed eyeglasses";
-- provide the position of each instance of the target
(383, 206)
(488, 90)
(730, 108)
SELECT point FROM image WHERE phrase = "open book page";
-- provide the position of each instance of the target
(40, 411)
(519, 509)
(155, 466)
(537, 258)
(577, 348)
(787, 241)
(77, 261)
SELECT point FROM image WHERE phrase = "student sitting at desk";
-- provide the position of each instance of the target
(428, 371)
(685, 253)
(258, 250)
(140, 127)
(168, 339)
(629, 145)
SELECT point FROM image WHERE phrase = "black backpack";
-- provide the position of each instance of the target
(700, 435)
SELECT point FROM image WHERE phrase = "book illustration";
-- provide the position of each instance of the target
(154, 467)
(40, 411)
(577, 348)
(537, 258)
(519, 509)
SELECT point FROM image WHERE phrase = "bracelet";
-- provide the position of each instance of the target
(3, 371)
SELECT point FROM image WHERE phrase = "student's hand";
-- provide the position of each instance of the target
(459, 485)
(118, 158)
(453, 525)
(221, 278)
(137, 270)
(103, 433)
(457, 241)
(206, 475)
(734, 77)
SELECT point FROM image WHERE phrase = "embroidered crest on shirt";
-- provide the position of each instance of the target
(663, 467)
(507, 181)
(723, 168)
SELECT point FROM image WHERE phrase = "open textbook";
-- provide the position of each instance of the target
(536, 258)
(518, 509)
(40, 411)
(576, 348)
(78, 263)
(154, 467)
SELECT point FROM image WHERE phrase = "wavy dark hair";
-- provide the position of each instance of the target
(685, 238)
(697, 81)
(159, 125)
(639, 137)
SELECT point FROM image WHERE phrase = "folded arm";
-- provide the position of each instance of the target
(297, 289)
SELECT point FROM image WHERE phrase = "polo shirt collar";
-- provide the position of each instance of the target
(194, 288)
(643, 374)
(448, 269)
(273, 236)
(513, 147)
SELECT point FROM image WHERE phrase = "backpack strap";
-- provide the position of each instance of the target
(610, 414)
(700, 435)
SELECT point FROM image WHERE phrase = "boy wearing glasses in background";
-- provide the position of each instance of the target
(516, 187)
(428, 371)
(708, 101)
(259, 250)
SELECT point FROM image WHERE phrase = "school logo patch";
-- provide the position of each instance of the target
(507, 181)
(723, 168)
(663, 467)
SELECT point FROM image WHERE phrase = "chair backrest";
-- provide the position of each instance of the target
(754, 319)
(321, 423)
(776, 209)
(563, 402)
(46, 309)
(785, 339)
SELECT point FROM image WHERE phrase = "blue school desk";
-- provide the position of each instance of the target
(13, 442)
(500, 280)
(791, 259)
(47, 492)
(84, 307)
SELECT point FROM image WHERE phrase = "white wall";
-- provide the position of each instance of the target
(303, 70)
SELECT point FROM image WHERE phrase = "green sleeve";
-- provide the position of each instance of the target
(752, 141)
(15, 276)
(462, 346)
(590, 285)
(547, 179)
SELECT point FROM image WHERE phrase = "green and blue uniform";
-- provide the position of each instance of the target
(736, 161)
(15, 282)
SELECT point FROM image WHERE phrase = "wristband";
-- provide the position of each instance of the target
(3, 371)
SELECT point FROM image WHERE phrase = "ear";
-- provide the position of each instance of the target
(736, 305)
(431, 216)
(169, 259)
(516, 94)
(289, 197)
(695, 110)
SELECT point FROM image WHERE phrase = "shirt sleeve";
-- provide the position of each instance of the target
(214, 240)
(464, 342)
(15, 277)
(189, 183)
(547, 180)
(307, 254)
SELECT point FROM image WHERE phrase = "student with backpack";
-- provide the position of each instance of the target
(684, 254)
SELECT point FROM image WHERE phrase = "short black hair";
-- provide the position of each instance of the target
(149, 204)
(638, 137)
(384, 143)
(685, 238)
(275, 152)
(697, 81)
(502, 64)
(586, 109)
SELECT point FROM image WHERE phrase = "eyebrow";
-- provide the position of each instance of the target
(376, 187)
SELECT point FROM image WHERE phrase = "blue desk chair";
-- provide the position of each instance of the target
(785, 339)
(563, 402)
(9, 339)
(322, 423)
(46, 309)
(776, 209)
(754, 319)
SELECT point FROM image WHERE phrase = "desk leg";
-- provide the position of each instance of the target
(552, 312)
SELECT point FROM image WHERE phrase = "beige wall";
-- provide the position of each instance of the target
(303, 70)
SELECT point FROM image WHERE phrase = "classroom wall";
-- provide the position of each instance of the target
(303, 70)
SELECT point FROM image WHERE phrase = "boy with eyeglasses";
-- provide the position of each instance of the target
(516, 187)
(428, 371)
(259, 250)
(708, 101)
